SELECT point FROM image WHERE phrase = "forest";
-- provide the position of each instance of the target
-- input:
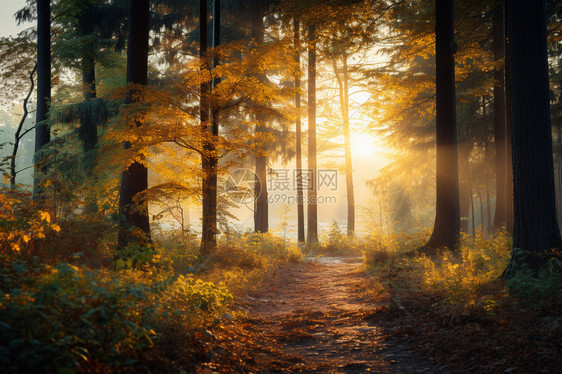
(280, 186)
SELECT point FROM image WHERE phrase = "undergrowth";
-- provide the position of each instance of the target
(61, 318)
(457, 308)
(71, 302)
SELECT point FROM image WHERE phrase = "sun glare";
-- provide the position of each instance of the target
(363, 145)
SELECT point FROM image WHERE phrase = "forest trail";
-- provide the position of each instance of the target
(321, 318)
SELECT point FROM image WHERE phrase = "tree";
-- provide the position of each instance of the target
(261, 206)
(447, 214)
(19, 135)
(134, 180)
(509, 151)
(312, 235)
(209, 159)
(88, 127)
(42, 129)
(500, 136)
(536, 228)
(343, 86)
(298, 132)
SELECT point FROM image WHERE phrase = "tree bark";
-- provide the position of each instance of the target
(42, 128)
(134, 180)
(312, 237)
(208, 161)
(509, 140)
(88, 128)
(500, 136)
(300, 195)
(535, 226)
(447, 214)
(343, 85)
(261, 211)
(261, 206)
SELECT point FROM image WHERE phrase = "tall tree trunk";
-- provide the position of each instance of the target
(535, 227)
(559, 168)
(348, 164)
(42, 128)
(472, 219)
(312, 237)
(300, 195)
(464, 191)
(489, 227)
(343, 86)
(134, 180)
(487, 162)
(88, 127)
(261, 206)
(509, 219)
(447, 213)
(500, 135)
(209, 161)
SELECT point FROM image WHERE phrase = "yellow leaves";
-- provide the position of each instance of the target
(26, 238)
(45, 216)
(55, 227)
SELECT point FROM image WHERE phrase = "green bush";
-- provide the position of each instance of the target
(544, 283)
(64, 318)
(59, 318)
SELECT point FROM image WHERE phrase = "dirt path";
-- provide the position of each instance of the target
(322, 320)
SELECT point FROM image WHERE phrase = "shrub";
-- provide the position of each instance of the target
(336, 243)
(544, 284)
(20, 222)
(62, 317)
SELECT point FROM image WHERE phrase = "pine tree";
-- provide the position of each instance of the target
(536, 229)
(298, 133)
(447, 215)
(312, 234)
(42, 128)
(134, 180)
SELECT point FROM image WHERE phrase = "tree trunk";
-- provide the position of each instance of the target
(487, 162)
(464, 191)
(472, 217)
(261, 211)
(447, 213)
(343, 85)
(261, 205)
(559, 167)
(312, 237)
(42, 128)
(17, 135)
(348, 164)
(88, 127)
(300, 195)
(209, 160)
(134, 180)
(489, 227)
(535, 227)
(500, 136)
(509, 140)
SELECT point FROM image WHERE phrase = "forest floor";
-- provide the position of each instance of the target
(317, 316)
